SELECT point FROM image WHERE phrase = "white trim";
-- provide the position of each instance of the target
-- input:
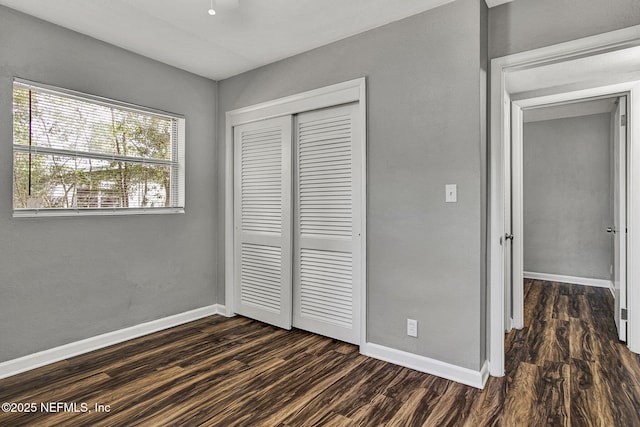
(364, 137)
(494, 3)
(56, 354)
(430, 366)
(612, 90)
(182, 161)
(222, 310)
(496, 298)
(500, 67)
(584, 281)
(517, 217)
(47, 213)
(633, 218)
(329, 96)
(587, 46)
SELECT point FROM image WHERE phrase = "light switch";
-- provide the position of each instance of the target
(451, 193)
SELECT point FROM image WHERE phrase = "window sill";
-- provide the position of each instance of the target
(42, 213)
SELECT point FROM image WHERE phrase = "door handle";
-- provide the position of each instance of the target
(611, 229)
(507, 236)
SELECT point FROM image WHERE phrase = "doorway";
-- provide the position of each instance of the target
(569, 204)
(556, 74)
(569, 165)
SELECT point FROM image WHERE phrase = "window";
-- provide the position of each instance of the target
(79, 154)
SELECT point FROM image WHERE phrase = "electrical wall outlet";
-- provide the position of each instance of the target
(412, 327)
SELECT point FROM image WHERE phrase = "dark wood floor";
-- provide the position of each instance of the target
(565, 367)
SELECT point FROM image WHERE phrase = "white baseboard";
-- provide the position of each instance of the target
(430, 366)
(222, 310)
(585, 281)
(56, 354)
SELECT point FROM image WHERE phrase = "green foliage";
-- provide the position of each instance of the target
(75, 178)
(21, 116)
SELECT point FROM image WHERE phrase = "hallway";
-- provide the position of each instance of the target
(566, 366)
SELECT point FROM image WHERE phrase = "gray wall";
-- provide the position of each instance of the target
(528, 24)
(424, 131)
(65, 279)
(567, 199)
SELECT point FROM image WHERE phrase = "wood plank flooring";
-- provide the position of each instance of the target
(565, 368)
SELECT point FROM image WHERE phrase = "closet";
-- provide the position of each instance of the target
(298, 220)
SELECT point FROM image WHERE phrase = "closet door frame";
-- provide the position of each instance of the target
(329, 96)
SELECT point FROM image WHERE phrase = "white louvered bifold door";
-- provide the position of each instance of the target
(262, 208)
(327, 254)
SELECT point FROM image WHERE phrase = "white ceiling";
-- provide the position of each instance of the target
(236, 39)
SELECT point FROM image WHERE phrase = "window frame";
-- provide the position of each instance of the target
(177, 162)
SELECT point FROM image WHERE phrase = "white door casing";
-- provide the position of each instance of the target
(500, 135)
(262, 154)
(622, 158)
(517, 214)
(327, 233)
(506, 239)
(512, 238)
(619, 229)
(515, 154)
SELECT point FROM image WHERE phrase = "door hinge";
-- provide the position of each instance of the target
(623, 314)
(623, 120)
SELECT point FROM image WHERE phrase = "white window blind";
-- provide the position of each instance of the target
(75, 153)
